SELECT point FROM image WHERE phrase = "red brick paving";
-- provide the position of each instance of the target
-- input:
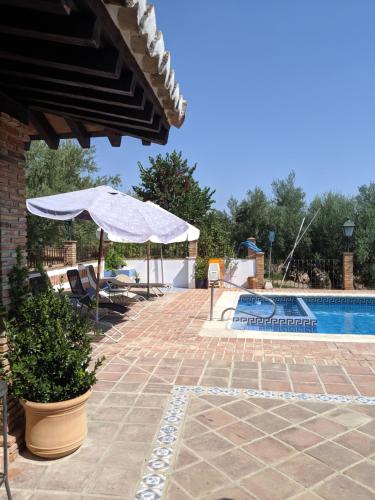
(168, 329)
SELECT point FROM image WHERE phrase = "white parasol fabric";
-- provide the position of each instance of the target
(121, 216)
(191, 234)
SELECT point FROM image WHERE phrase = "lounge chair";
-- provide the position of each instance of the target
(123, 279)
(109, 291)
(87, 298)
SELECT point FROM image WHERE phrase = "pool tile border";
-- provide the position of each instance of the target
(153, 482)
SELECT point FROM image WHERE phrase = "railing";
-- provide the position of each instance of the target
(86, 252)
(311, 273)
(251, 292)
(47, 257)
(171, 251)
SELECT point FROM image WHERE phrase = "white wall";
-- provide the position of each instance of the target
(176, 271)
(180, 272)
(239, 270)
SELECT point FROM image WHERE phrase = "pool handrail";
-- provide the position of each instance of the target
(251, 292)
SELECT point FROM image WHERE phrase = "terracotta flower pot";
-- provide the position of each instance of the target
(54, 430)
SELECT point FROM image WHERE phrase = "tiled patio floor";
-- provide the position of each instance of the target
(169, 328)
(232, 446)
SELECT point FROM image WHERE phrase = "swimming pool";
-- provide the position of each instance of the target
(308, 314)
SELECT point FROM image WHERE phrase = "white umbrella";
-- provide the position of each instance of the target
(123, 217)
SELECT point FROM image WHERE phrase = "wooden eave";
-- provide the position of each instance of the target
(67, 72)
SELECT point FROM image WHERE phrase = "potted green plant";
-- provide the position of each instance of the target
(113, 260)
(201, 272)
(51, 372)
(137, 277)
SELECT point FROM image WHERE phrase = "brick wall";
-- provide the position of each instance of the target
(259, 264)
(347, 271)
(12, 234)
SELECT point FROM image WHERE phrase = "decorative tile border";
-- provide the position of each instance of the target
(297, 317)
(153, 481)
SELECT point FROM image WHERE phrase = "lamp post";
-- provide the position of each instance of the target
(348, 229)
(271, 239)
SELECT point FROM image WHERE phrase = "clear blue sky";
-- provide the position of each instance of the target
(272, 85)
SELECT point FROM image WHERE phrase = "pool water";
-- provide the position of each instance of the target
(350, 316)
(323, 314)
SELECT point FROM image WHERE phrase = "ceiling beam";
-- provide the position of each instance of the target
(98, 62)
(144, 116)
(160, 138)
(80, 132)
(106, 121)
(77, 29)
(53, 89)
(114, 34)
(45, 129)
(114, 139)
(62, 7)
(124, 85)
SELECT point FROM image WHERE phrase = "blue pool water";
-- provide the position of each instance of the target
(327, 314)
(343, 315)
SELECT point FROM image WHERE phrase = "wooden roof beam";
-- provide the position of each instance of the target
(104, 62)
(62, 7)
(144, 116)
(114, 139)
(79, 132)
(76, 29)
(45, 129)
(51, 90)
(124, 85)
(107, 121)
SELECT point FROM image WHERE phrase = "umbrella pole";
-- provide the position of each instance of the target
(148, 245)
(100, 256)
(162, 262)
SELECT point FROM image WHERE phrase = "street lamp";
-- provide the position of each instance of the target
(271, 239)
(348, 229)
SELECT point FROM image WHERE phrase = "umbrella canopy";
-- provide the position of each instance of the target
(123, 217)
(191, 234)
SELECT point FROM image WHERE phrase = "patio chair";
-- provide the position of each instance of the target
(110, 291)
(123, 279)
(86, 298)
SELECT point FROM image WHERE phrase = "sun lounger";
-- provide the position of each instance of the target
(110, 291)
(122, 279)
(87, 298)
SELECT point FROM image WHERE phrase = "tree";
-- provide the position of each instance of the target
(216, 239)
(326, 231)
(48, 172)
(169, 182)
(251, 217)
(287, 211)
(364, 235)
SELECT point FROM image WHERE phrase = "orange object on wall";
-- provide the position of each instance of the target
(221, 266)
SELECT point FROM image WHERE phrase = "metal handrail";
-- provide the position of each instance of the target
(251, 292)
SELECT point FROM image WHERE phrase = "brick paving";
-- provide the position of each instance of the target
(229, 447)
(272, 449)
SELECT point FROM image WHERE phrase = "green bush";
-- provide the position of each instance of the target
(201, 268)
(49, 350)
(114, 258)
